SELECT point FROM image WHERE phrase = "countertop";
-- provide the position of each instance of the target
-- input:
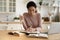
(10, 22)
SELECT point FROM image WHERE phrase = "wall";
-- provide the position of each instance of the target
(20, 7)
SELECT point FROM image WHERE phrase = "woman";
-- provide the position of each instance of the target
(31, 19)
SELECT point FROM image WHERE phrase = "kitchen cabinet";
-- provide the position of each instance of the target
(11, 26)
(19, 26)
(3, 26)
(7, 6)
(15, 27)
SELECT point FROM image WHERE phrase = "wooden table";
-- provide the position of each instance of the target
(54, 37)
(5, 36)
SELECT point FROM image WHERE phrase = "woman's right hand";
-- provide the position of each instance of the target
(31, 29)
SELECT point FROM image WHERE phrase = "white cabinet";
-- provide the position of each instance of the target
(7, 6)
(15, 27)
(3, 27)
(11, 26)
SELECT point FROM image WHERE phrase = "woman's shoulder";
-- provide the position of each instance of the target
(38, 14)
(25, 14)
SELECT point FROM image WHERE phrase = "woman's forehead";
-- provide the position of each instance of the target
(32, 7)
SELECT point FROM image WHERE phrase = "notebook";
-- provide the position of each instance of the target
(38, 35)
(35, 34)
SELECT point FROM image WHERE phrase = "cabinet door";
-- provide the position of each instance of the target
(12, 6)
(7, 6)
(15, 27)
(3, 6)
(3, 26)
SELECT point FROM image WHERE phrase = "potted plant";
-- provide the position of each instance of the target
(16, 19)
(40, 2)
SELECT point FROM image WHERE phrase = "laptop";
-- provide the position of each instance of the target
(54, 28)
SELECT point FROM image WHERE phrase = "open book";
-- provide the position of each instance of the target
(36, 34)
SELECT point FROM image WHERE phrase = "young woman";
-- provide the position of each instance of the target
(32, 19)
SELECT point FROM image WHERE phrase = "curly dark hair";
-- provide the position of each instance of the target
(31, 3)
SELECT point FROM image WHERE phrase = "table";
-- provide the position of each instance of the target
(54, 37)
(5, 36)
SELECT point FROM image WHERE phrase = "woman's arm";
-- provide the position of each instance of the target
(39, 20)
(24, 23)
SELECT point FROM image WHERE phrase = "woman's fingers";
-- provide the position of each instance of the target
(31, 30)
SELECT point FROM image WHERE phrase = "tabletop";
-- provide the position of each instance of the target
(5, 36)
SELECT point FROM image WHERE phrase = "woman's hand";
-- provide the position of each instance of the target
(31, 29)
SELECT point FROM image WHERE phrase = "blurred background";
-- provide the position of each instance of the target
(10, 10)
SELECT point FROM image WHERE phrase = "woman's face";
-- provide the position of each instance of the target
(31, 10)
